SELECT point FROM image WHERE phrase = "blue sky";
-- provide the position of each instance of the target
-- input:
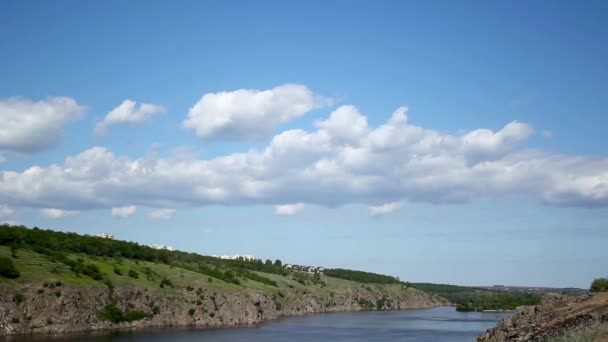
(455, 142)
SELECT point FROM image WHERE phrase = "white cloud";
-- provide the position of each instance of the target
(5, 211)
(128, 113)
(29, 126)
(123, 212)
(547, 134)
(384, 208)
(392, 162)
(2, 159)
(346, 124)
(288, 209)
(58, 213)
(248, 114)
(162, 214)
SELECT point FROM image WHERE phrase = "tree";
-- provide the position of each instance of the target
(268, 262)
(278, 263)
(7, 268)
(599, 285)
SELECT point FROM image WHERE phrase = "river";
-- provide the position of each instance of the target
(437, 325)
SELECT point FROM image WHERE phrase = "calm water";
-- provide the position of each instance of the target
(438, 324)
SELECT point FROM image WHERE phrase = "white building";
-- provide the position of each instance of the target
(166, 247)
(105, 236)
(248, 257)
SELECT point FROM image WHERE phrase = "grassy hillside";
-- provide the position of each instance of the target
(36, 263)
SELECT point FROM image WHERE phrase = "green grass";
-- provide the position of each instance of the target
(38, 268)
(591, 334)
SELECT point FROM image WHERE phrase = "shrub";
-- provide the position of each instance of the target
(133, 274)
(58, 294)
(599, 285)
(7, 268)
(111, 313)
(40, 291)
(114, 314)
(191, 312)
(117, 271)
(166, 282)
(19, 298)
(135, 315)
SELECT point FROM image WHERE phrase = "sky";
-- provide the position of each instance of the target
(437, 141)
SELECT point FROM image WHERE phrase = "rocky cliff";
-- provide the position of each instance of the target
(46, 307)
(557, 315)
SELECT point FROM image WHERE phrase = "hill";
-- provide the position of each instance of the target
(54, 282)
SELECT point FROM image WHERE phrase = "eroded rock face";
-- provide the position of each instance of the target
(555, 316)
(72, 309)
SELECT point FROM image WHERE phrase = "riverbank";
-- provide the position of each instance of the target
(48, 298)
(557, 316)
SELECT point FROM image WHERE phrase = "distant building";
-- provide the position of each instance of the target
(247, 257)
(105, 236)
(165, 247)
(304, 268)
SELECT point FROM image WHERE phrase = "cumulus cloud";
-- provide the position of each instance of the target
(162, 214)
(128, 113)
(288, 209)
(58, 213)
(384, 209)
(124, 212)
(29, 126)
(248, 114)
(392, 162)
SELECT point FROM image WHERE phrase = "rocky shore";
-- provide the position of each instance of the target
(557, 315)
(36, 309)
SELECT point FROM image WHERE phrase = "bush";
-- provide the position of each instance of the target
(7, 268)
(191, 312)
(135, 315)
(117, 271)
(599, 285)
(114, 314)
(111, 313)
(133, 274)
(166, 282)
(19, 298)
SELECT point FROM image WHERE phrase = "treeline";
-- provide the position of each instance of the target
(57, 245)
(480, 301)
(361, 277)
(476, 299)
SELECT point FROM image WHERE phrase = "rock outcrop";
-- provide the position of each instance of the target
(33, 308)
(555, 316)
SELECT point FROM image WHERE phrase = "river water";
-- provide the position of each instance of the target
(437, 325)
